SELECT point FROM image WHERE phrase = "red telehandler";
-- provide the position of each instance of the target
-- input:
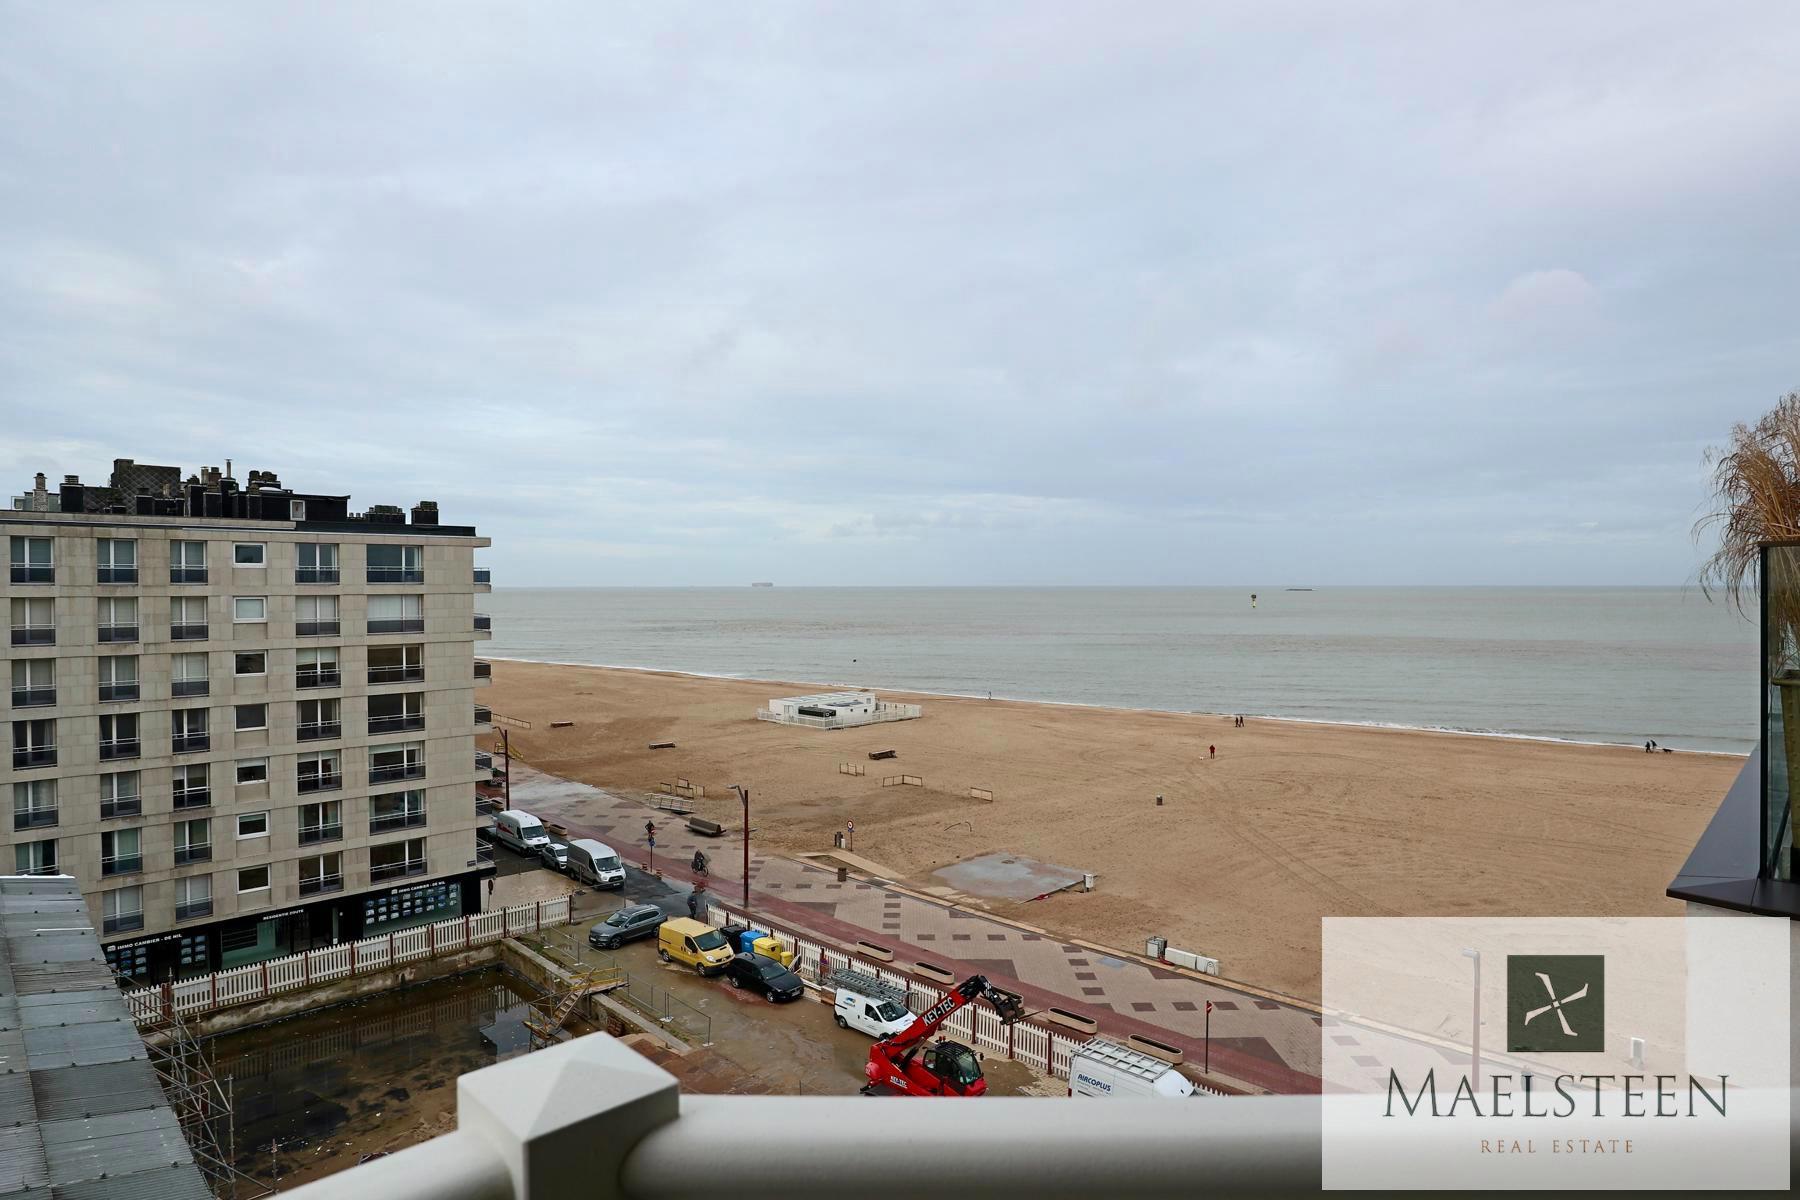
(901, 1064)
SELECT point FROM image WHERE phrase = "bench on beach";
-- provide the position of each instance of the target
(662, 745)
(705, 828)
(880, 754)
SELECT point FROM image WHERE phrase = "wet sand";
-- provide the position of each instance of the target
(1288, 823)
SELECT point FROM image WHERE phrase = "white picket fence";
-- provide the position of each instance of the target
(258, 981)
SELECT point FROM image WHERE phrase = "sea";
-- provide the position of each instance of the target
(1604, 665)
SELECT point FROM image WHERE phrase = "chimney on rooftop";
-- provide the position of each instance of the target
(38, 483)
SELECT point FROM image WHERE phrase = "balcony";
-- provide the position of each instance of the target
(46, 869)
(397, 723)
(121, 806)
(112, 693)
(403, 674)
(396, 574)
(396, 772)
(34, 635)
(22, 573)
(117, 575)
(316, 628)
(193, 797)
(34, 818)
(188, 633)
(27, 757)
(321, 883)
(484, 761)
(484, 671)
(192, 909)
(398, 625)
(483, 715)
(396, 870)
(122, 864)
(123, 923)
(118, 633)
(314, 731)
(194, 853)
(113, 748)
(317, 677)
(189, 687)
(315, 574)
(33, 697)
(323, 781)
(187, 574)
(311, 835)
(405, 820)
(484, 852)
(190, 743)
(483, 623)
(484, 577)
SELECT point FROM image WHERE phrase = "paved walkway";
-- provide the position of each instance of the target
(1256, 1040)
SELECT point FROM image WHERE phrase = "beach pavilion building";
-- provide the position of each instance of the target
(836, 710)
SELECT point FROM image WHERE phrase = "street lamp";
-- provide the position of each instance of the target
(744, 795)
(1475, 1036)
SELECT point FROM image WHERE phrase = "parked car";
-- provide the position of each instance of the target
(760, 973)
(628, 924)
(595, 863)
(555, 855)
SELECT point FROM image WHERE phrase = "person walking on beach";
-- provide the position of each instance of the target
(1212, 752)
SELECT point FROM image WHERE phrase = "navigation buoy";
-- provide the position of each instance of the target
(1252, 599)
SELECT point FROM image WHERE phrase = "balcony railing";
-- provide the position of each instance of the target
(484, 851)
(188, 632)
(315, 574)
(118, 575)
(483, 621)
(34, 818)
(193, 853)
(189, 687)
(398, 625)
(484, 575)
(317, 677)
(405, 674)
(112, 693)
(190, 743)
(483, 669)
(316, 628)
(393, 821)
(118, 633)
(193, 908)
(31, 574)
(193, 797)
(324, 781)
(396, 575)
(313, 834)
(321, 883)
(33, 697)
(119, 748)
(313, 731)
(46, 869)
(397, 771)
(187, 574)
(396, 722)
(483, 715)
(123, 923)
(121, 864)
(26, 757)
(34, 635)
(396, 870)
(121, 806)
(484, 761)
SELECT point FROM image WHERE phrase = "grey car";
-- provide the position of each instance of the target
(632, 921)
(555, 855)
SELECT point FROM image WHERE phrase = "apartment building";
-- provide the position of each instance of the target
(242, 718)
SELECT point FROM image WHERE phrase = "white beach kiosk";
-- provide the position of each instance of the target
(836, 710)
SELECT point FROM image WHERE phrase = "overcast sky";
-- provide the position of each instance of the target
(919, 293)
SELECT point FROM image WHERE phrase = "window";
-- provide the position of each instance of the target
(321, 873)
(252, 717)
(188, 675)
(119, 735)
(116, 559)
(397, 858)
(35, 858)
(296, 510)
(250, 662)
(316, 616)
(320, 772)
(34, 744)
(253, 879)
(193, 841)
(122, 909)
(252, 770)
(188, 730)
(317, 719)
(33, 622)
(34, 804)
(119, 795)
(187, 618)
(316, 668)
(322, 822)
(120, 852)
(389, 763)
(248, 610)
(191, 786)
(248, 554)
(34, 682)
(193, 897)
(118, 678)
(187, 562)
(396, 614)
(397, 810)
(32, 560)
(118, 618)
(253, 825)
(396, 564)
(394, 713)
(315, 563)
(396, 664)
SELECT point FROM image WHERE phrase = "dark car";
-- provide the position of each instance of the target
(632, 921)
(760, 973)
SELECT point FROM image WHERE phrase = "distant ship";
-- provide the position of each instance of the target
(1299, 589)
(760, 583)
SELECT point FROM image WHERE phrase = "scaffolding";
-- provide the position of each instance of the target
(202, 1103)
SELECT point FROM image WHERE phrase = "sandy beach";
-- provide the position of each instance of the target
(1289, 823)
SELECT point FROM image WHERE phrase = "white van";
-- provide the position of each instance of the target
(518, 830)
(595, 863)
(865, 1004)
(1103, 1068)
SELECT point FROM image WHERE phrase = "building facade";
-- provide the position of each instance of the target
(243, 719)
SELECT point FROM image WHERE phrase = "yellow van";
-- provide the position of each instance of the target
(699, 946)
